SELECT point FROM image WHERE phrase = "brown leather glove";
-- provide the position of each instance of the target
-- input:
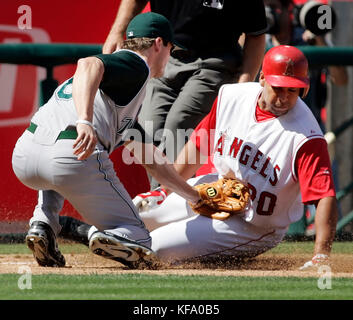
(221, 198)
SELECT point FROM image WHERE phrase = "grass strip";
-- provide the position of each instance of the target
(170, 287)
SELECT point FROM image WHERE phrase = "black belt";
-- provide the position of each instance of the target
(66, 134)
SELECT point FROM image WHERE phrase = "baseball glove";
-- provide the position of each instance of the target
(222, 198)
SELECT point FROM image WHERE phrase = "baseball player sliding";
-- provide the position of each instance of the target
(264, 135)
(64, 153)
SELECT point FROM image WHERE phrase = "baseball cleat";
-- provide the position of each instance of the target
(125, 251)
(41, 241)
(74, 230)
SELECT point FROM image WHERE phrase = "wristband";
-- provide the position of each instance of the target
(89, 123)
(319, 257)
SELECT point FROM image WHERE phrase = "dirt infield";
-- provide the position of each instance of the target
(266, 265)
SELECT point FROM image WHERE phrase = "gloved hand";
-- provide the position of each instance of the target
(148, 200)
(222, 198)
(318, 260)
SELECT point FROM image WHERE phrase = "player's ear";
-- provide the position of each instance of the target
(158, 43)
(262, 79)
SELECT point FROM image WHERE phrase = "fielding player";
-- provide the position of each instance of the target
(64, 153)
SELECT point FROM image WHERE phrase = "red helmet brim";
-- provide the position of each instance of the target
(287, 81)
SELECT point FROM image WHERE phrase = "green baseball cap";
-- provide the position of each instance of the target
(151, 25)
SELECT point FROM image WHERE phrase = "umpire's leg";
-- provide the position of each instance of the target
(196, 99)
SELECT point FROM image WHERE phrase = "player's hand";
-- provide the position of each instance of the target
(86, 141)
(148, 200)
(318, 260)
(113, 42)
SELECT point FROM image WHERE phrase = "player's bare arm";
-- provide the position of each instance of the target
(254, 48)
(127, 10)
(88, 75)
(162, 170)
(189, 160)
(325, 225)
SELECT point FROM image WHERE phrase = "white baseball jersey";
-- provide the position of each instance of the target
(111, 118)
(262, 153)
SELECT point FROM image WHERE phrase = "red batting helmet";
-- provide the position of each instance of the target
(286, 66)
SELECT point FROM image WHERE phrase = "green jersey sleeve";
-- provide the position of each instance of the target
(125, 73)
